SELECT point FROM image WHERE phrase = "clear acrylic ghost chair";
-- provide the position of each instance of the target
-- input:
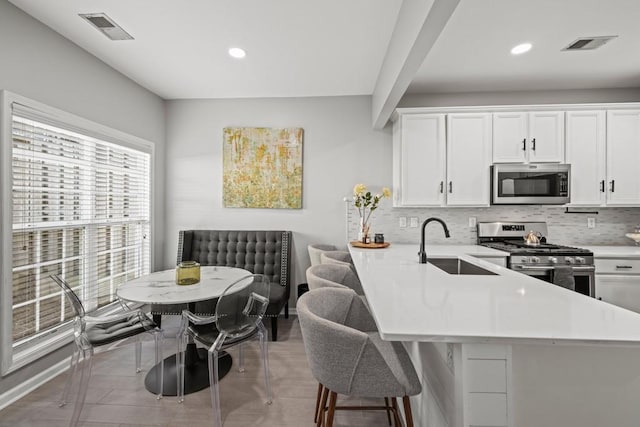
(238, 318)
(91, 332)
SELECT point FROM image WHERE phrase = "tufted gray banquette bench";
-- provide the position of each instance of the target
(261, 252)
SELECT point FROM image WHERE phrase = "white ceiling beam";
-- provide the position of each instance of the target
(418, 26)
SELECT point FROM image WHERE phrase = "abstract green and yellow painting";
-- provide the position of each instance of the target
(262, 168)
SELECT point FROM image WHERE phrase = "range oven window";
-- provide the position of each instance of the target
(584, 281)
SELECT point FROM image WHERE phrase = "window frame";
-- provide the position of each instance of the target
(11, 360)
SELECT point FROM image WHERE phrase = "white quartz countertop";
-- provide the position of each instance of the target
(613, 251)
(456, 250)
(420, 302)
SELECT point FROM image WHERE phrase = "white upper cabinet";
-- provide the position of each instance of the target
(528, 137)
(419, 160)
(623, 157)
(434, 166)
(510, 137)
(443, 158)
(468, 159)
(585, 152)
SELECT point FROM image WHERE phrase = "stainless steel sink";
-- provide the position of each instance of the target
(459, 266)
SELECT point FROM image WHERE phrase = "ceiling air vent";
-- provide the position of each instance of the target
(589, 43)
(106, 26)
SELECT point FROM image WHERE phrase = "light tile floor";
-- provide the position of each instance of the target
(117, 396)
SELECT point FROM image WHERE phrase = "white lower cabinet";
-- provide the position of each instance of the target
(486, 374)
(623, 291)
(463, 385)
(487, 409)
(618, 282)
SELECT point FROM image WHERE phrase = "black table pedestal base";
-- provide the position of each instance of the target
(196, 372)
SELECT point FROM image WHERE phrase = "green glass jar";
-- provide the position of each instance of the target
(188, 273)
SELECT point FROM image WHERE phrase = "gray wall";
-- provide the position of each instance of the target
(339, 150)
(41, 65)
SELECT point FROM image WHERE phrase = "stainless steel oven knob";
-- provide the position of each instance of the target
(580, 260)
(553, 260)
(535, 260)
(569, 260)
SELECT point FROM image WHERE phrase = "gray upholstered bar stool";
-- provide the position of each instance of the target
(316, 250)
(348, 357)
(336, 257)
(333, 275)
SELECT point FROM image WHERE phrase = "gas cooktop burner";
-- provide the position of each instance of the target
(521, 247)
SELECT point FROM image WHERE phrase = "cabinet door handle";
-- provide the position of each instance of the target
(524, 144)
(626, 267)
(450, 186)
(533, 144)
(613, 185)
(602, 186)
(441, 186)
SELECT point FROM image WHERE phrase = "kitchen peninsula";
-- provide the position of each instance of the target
(503, 348)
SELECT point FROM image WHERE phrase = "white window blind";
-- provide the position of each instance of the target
(81, 208)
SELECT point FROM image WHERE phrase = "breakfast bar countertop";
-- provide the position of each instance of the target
(612, 251)
(420, 302)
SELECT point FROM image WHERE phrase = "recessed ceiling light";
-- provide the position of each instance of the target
(521, 48)
(236, 52)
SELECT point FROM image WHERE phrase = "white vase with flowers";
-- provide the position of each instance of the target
(366, 202)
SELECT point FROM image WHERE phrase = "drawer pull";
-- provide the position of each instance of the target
(624, 266)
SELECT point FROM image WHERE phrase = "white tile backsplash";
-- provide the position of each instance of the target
(564, 228)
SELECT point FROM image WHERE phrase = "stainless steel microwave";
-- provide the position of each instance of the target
(531, 184)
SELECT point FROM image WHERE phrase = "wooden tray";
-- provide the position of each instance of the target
(357, 244)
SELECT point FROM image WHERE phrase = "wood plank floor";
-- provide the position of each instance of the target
(117, 396)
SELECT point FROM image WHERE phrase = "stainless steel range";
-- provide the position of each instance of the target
(531, 254)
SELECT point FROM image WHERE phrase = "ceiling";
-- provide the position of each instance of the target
(472, 53)
(294, 47)
(336, 47)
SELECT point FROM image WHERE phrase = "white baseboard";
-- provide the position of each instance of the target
(21, 390)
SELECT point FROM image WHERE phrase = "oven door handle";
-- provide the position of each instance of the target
(587, 268)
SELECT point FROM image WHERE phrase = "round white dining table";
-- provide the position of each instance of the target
(161, 288)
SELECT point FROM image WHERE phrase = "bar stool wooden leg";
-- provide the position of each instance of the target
(407, 411)
(315, 416)
(332, 408)
(386, 404)
(396, 417)
(323, 404)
